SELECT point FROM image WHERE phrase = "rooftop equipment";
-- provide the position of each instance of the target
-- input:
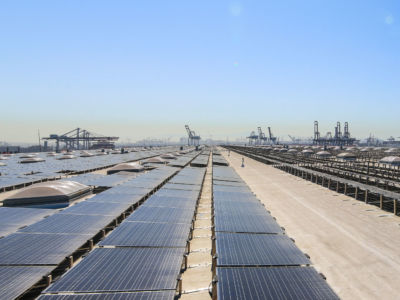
(48, 192)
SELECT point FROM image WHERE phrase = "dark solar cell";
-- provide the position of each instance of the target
(162, 215)
(246, 223)
(141, 234)
(118, 198)
(162, 295)
(38, 249)
(64, 223)
(123, 269)
(241, 249)
(164, 201)
(16, 280)
(97, 208)
(280, 283)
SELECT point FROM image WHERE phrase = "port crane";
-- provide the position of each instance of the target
(81, 139)
(272, 138)
(262, 139)
(193, 139)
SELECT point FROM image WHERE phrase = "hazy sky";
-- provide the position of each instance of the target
(146, 68)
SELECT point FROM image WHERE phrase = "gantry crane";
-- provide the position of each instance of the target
(272, 139)
(262, 139)
(81, 139)
(193, 139)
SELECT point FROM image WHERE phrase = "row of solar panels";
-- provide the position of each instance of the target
(143, 255)
(254, 258)
(218, 160)
(15, 174)
(201, 160)
(35, 251)
(183, 160)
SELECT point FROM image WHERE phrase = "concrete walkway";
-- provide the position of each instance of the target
(355, 245)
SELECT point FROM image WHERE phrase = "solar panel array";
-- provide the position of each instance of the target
(16, 174)
(145, 252)
(50, 240)
(254, 258)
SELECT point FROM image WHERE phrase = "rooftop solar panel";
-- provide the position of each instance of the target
(241, 249)
(178, 186)
(70, 223)
(38, 249)
(122, 189)
(117, 198)
(164, 201)
(246, 223)
(280, 283)
(110, 180)
(22, 216)
(6, 229)
(162, 215)
(238, 208)
(229, 183)
(124, 270)
(238, 189)
(141, 234)
(158, 295)
(97, 208)
(177, 193)
(14, 281)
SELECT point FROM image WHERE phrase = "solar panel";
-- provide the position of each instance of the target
(229, 183)
(235, 197)
(280, 283)
(159, 295)
(241, 249)
(238, 208)
(110, 180)
(69, 223)
(123, 269)
(38, 249)
(177, 193)
(164, 201)
(97, 208)
(162, 215)
(22, 216)
(122, 189)
(14, 281)
(177, 186)
(117, 198)
(246, 223)
(6, 229)
(236, 189)
(190, 180)
(141, 234)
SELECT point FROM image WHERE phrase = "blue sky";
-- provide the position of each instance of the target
(146, 68)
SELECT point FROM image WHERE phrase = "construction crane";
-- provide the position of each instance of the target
(272, 139)
(82, 139)
(262, 139)
(193, 139)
